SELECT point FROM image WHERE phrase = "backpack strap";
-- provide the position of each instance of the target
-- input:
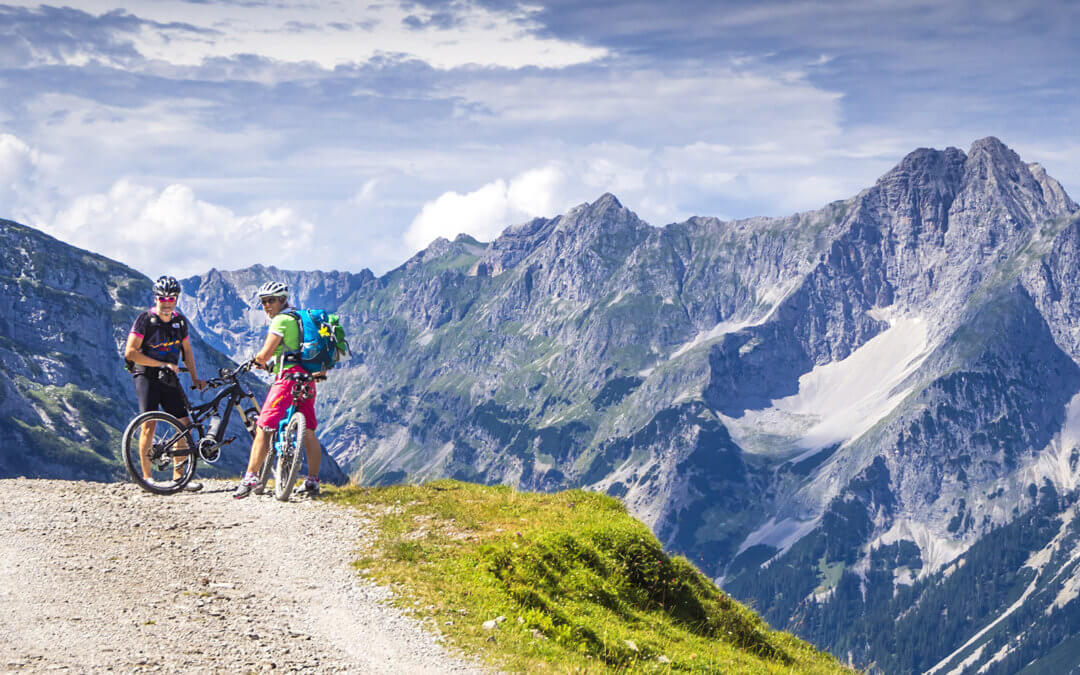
(293, 356)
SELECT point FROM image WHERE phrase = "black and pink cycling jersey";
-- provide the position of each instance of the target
(161, 340)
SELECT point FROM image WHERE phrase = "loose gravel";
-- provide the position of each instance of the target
(107, 578)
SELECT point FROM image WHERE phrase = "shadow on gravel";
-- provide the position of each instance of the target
(208, 491)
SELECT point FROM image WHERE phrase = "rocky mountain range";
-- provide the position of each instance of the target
(65, 398)
(856, 397)
(863, 420)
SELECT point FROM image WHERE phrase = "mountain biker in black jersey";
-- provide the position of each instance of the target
(282, 341)
(157, 339)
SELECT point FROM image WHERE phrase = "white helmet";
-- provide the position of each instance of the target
(274, 289)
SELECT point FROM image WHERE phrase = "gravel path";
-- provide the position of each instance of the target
(105, 577)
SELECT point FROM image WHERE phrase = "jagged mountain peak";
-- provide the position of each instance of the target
(605, 214)
(943, 165)
(606, 201)
(989, 157)
(1054, 194)
(927, 159)
(991, 146)
(930, 192)
(468, 239)
(975, 165)
(997, 180)
(988, 164)
(436, 249)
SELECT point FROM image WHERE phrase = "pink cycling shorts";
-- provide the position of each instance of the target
(278, 401)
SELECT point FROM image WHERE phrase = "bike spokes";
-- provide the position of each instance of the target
(157, 452)
(290, 457)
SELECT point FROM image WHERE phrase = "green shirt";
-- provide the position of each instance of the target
(289, 330)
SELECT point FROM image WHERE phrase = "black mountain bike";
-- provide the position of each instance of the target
(159, 446)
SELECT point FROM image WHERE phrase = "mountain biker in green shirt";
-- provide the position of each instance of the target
(282, 338)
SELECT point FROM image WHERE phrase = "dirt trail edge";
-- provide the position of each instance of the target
(105, 577)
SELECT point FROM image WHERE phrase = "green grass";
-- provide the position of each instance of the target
(582, 585)
(829, 573)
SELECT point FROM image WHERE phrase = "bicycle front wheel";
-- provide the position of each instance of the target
(158, 453)
(290, 457)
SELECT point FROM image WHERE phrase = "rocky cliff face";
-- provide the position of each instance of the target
(847, 415)
(225, 309)
(65, 398)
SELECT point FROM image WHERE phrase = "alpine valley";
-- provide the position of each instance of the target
(863, 421)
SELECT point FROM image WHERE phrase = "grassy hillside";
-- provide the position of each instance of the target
(564, 581)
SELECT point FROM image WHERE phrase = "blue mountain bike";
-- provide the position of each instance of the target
(286, 453)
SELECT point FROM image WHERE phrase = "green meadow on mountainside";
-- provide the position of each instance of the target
(565, 582)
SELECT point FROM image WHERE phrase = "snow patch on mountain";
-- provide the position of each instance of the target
(936, 551)
(974, 658)
(769, 300)
(1069, 592)
(1038, 560)
(1055, 461)
(838, 402)
(848, 397)
(779, 534)
(718, 331)
(425, 338)
(1000, 655)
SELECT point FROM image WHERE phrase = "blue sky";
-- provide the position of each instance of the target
(181, 135)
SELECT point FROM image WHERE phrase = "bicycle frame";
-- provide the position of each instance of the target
(235, 393)
(305, 382)
(286, 452)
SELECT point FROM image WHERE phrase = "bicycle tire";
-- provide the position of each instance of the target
(267, 468)
(288, 462)
(166, 429)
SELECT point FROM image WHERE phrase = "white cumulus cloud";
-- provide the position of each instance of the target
(20, 168)
(485, 212)
(172, 231)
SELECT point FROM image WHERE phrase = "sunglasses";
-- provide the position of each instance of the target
(166, 298)
(269, 301)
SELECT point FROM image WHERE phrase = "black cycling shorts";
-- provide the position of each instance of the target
(152, 393)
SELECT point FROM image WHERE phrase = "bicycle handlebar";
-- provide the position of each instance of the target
(226, 377)
(304, 376)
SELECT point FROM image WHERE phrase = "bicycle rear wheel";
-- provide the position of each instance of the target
(167, 466)
(290, 457)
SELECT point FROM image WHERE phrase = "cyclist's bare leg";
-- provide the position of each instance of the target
(259, 446)
(313, 452)
(182, 444)
(146, 437)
